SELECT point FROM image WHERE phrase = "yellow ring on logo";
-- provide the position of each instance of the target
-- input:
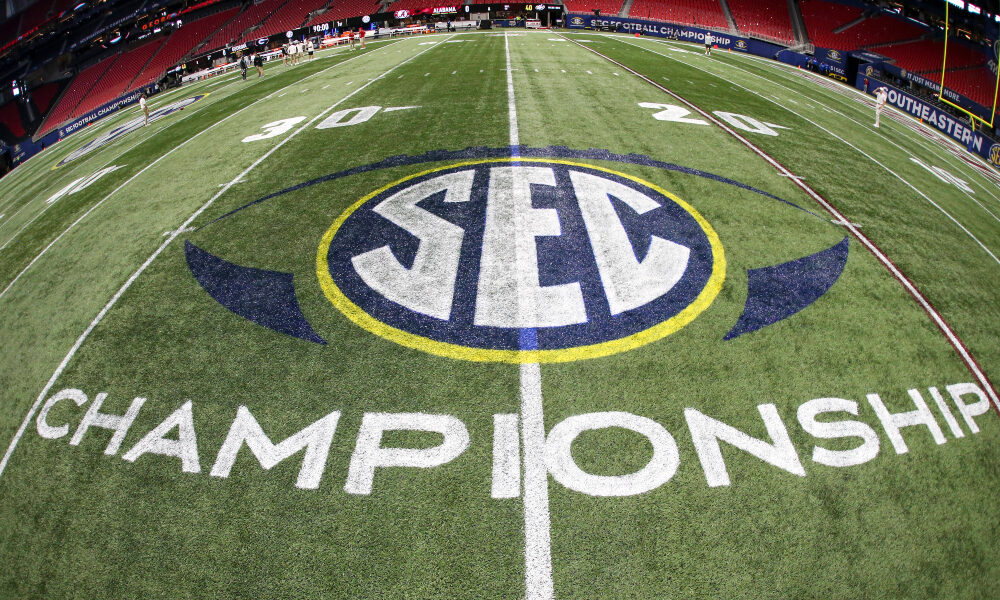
(356, 314)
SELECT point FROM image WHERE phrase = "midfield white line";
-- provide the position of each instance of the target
(113, 192)
(858, 150)
(173, 235)
(538, 583)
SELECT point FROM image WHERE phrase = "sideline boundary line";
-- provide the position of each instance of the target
(171, 151)
(950, 335)
(931, 146)
(173, 235)
(856, 149)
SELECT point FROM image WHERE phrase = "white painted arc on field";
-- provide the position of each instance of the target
(953, 339)
(789, 70)
(538, 584)
(177, 232)
(855, 148)
(171, 151)
(933, 147)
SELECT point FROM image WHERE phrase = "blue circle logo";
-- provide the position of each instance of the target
(521, 260)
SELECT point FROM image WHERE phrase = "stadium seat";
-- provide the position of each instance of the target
(181, 42)
(702, 13)
(234, 29)
(343, 9)
(116, 81)
(288, 17)
(43, 96)
(822, 17)
(77, 89)
(925, 56)
(11, 118)
(607, 7)
(763, 18)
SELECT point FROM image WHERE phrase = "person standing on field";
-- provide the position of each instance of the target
(144, 107)
(244, 63)
(708, 44)
(310, 48)
(881, 94)
(258, 61)
(361, 34)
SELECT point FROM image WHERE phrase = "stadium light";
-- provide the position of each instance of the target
(972, 8)
(958, 3)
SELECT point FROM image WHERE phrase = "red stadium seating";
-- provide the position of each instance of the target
(245, 20)
(179, 44)
(822, 17)
(77, 89)
(12, 119)
(43, 96)
(703, 13)
(343, 9)
(288, 17)
(763, 18)
(925, 56)
(977, 84)
(116, 81)
(607, 7)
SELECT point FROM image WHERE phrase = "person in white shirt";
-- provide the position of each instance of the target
(144, 107)
(881, 94)
(292, 53)
(708, 44)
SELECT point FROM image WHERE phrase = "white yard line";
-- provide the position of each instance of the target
(538, 582)
(847, 143)
(934, 148)
(950, 335)
(841, 92)
(113, 192)
(173, 235)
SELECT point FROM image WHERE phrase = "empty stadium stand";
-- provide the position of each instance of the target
(180, 43)
(116, 81)
(925, 56)
(288, 17)
(976, 84)
(235, 28)
(77, 89)
(343, 9)
(763, 18)
(11, 119)
(607, 7)
(43, 96)
(822, 18)
(702, 13)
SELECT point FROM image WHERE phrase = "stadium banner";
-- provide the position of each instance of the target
(679, 32)
(105, 110)
(935, 86)
(955, 128)
(836, 60)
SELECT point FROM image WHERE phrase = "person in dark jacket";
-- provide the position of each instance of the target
(258, 61)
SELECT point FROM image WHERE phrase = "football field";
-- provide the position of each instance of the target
(502, 315)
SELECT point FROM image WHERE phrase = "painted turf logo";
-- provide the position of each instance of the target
(127, 128)
(518, 255)
(995, 155)
(521, 260)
